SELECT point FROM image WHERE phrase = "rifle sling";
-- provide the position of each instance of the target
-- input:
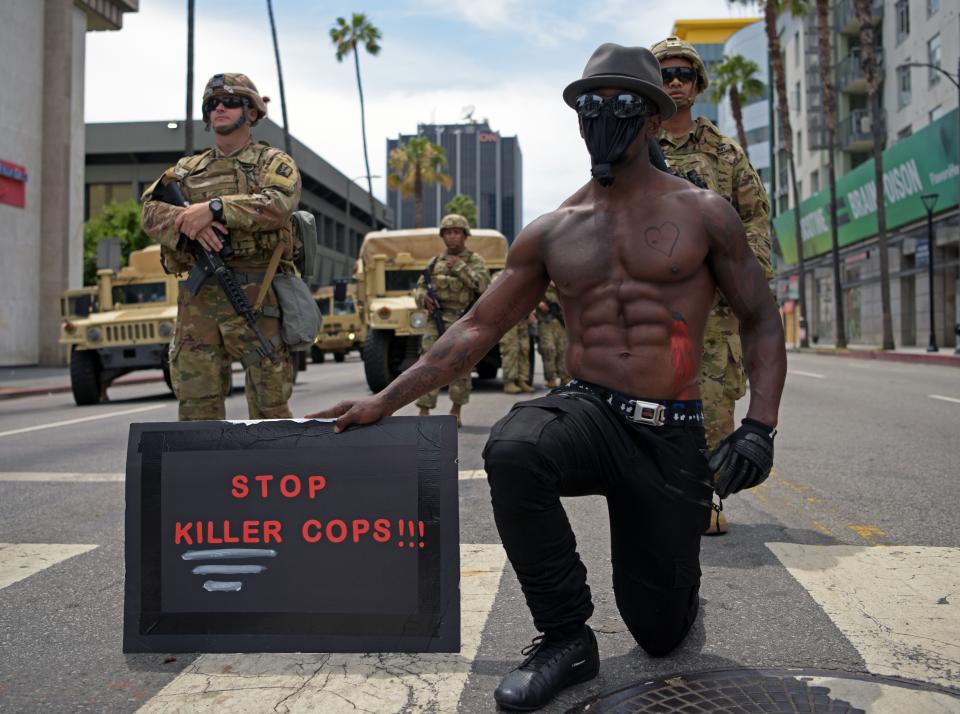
(268, 277)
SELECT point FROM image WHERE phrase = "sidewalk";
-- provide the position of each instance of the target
(31, 381)
(945, 356)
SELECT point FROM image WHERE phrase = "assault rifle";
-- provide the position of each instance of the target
(556, 311)
(210, 264)
(436, 313)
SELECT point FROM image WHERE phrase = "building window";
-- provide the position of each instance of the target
(902, 11)
(905, 132)
(799, 192)
(933, 57)
(815, 181)
(797, 96)
(798, 149)
(932, 7)
(796, 48)
(903, 85)
(937, 112)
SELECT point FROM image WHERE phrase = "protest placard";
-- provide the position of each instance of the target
(283, 536)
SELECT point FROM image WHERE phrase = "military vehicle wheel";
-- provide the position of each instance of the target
(85, 377)
(382, 354)
(316, 354)
(339, 356)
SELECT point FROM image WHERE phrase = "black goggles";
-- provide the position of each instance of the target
(622, 106)
(684, 74)
(228, 102)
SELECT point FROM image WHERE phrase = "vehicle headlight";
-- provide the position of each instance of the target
(165, 329)
(352, 336)
(418, 319)
(94, 334)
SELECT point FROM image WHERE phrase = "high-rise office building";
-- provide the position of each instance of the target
(482, 164)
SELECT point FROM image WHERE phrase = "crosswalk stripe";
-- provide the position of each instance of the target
(68, 422)
(898, 605)
(944, 399)
(21, 560)
(806, 374)
(334, 683)
(76, 477)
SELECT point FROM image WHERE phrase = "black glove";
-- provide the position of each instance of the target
(743, 459)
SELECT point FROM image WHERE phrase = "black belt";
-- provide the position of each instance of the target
(651, 412)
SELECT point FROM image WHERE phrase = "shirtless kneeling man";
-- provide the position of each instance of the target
(636, 255)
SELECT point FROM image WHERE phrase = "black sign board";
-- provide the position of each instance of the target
(281, 536)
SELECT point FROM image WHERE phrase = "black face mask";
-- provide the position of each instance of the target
(608, 139)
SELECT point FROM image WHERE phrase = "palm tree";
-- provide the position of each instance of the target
(188, 125)
(465, 206)
(416, 164)
(868, 56)
(735, 78)
(283, 96)
(771, 9)
(346, 37)
(830, 116)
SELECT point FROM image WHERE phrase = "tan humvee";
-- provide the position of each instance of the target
(342, 329)
(130, 329)
(386, 273)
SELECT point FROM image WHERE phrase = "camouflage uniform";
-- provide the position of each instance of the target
(724, 167)
(260, 188)
(552, 342)
(457, 287)
(515, 358)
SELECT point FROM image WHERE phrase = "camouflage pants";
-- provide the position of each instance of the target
(552, 346)
(515, 353)
(459, 388)
(209, 337)
(722, 381)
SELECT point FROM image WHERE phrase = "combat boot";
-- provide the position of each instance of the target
(525, 388)
(455, 411)
(424, 411)
(512, 388)
(553, 383)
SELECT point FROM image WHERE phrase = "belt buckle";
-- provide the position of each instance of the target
(649, 413)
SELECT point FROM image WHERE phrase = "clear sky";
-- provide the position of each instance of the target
(510, 59)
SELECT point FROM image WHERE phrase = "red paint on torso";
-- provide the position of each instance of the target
(681, 350)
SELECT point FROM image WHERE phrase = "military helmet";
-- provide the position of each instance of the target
(237, 85)
(675, 47)
(454, 220)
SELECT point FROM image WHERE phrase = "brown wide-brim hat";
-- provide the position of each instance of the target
(631, 68)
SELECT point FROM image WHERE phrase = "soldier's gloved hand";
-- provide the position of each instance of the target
(743, 459)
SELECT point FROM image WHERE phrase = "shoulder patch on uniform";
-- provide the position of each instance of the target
(284, 169)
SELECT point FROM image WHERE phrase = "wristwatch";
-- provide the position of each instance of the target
(216, 208)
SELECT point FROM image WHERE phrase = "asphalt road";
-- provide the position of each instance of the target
(867, 466)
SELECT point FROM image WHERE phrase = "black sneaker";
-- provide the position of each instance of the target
(552, 664)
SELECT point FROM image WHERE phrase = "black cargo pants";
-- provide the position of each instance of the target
(658, 491)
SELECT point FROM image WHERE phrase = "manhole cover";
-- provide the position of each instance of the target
(782, 691)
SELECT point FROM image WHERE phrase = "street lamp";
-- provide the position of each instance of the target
(956, 83)
(373, 218)
(929, 201)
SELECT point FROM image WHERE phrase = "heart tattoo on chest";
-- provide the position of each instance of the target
(662, 238)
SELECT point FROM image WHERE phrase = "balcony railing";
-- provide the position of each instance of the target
(845, 16)
(854, 132)
(850, 75)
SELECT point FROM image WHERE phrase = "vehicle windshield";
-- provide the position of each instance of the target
(405, 280)
(139, 293)
(324, 305)
(78, 305)
(344, 307)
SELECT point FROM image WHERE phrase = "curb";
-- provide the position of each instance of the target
(15, 393)
(940, 359)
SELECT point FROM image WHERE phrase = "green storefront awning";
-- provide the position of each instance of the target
(926, 162)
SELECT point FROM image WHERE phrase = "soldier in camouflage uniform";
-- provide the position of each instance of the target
(724, 166)
(552, 339)
(459, 276)
(515, 358)
(247, 191)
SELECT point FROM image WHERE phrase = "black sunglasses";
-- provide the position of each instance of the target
(622, 106)
(228, 102)
(684, 74)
